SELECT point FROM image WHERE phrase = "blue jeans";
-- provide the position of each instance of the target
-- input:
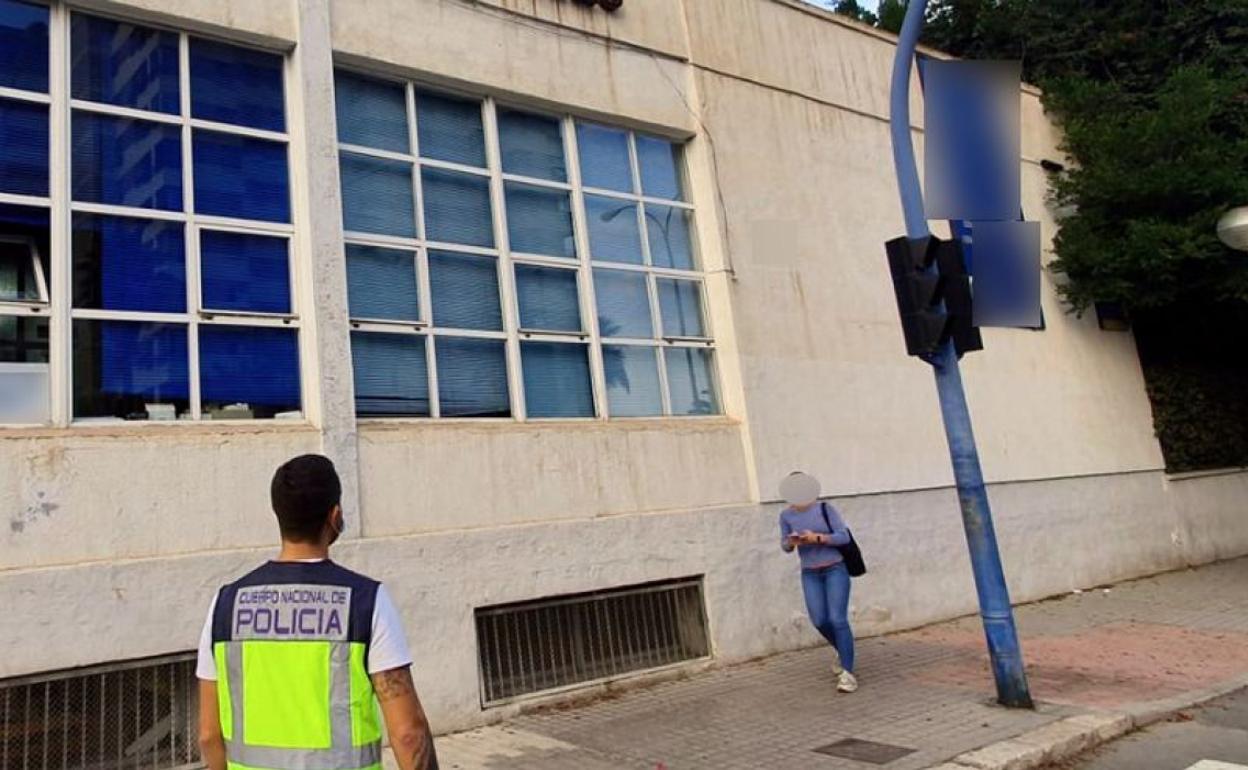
(827, 602)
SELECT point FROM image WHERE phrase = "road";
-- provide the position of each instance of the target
(1212, 737)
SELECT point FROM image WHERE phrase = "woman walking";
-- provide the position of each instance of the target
(815, 529)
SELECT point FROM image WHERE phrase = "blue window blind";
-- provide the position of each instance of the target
(123, 64)
(632, 374)
(613, 232)
(126, 162)
(381, 284)
(604, 157)
(23, 147)
(244, 272)
(238, 176)
(623, 304)
(548, 298)
(667, 228)
(531, 145)
(660, 168)
(371, 113)
(465, 291)
(457, 207)
(680, 305)
(258, 367)
(539, 220)
(125, 263)
(690, 381)
(472, 377)
(24, 40)
(377, 195)
(391, 375)
(121, 365)
(237, 85)
(450, 129)
(556, 379)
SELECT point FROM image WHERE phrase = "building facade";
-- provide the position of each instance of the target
(563, 291)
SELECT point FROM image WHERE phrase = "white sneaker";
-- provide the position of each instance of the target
(846, 682)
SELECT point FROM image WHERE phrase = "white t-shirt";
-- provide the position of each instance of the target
(386, 650)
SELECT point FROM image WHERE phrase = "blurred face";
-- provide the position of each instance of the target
(800, 490)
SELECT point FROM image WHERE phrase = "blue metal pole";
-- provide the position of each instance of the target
(981, 538)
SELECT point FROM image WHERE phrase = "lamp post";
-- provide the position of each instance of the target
(1233, 228)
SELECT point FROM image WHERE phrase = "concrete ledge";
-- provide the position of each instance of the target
(1051, 743)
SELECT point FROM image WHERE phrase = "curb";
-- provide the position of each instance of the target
(1072, 736)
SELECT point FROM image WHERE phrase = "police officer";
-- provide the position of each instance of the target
(296, 655)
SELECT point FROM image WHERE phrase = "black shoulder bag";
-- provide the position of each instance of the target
(850, 552)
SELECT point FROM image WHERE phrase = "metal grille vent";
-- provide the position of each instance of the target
(557, 643)
(117, 717)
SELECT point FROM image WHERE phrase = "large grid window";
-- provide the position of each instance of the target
(507, 263)
(176, 278)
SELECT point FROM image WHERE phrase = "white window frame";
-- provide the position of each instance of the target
(507, 259)
(62, 208)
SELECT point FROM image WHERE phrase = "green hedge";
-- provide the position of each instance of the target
(1200, 414)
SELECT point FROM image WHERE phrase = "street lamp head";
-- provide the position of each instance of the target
(1233, 228)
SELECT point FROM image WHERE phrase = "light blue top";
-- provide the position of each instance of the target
(817, 556)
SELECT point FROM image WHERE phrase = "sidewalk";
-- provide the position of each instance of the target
(1099, 663)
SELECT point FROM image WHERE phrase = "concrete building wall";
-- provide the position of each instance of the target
(129, 530)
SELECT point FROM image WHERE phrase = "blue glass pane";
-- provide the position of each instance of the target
(244, 272)
(450, 129)
(24, 40)
(121, 366)
(680, 305)
(371, 113)
(548, 298)
(236, 85)
(472, 378)
(457, 207)
(556, 380)
(668, 230)
(632, 375)
(532, 145)
(613, 232)
(391, 375)
(241, 177)
(124, 263)
(381, 284)
(465, 291)
(127, 162)
(25, 238)
(604, 157)
(623, 304)
(124, 64)
(377, 195)
(690, 381)
(659, 160)
(23, 147)
(539, 220)
(254, 370)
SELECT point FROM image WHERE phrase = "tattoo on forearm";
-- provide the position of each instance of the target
(393, 684)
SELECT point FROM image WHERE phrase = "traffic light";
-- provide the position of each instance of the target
(933, 294)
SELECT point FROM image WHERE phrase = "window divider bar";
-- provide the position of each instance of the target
(33, 97)
(550, 184)
(60, 324)
(506, 278)
(118, 111)
(585, 274)
(194, 292)
(446, 165)
(230, 128)
(424, 287)
(373, 152)
(111, 210)
(33, 201)
(389, 327)
(352, 237)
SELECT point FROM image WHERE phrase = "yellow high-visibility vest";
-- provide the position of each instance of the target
(291, 642)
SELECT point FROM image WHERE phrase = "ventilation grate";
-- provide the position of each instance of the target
(556, 643)
(118, 717)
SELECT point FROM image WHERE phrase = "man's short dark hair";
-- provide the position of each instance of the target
(304, 490)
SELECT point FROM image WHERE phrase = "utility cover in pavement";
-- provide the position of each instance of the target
(864, 751)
